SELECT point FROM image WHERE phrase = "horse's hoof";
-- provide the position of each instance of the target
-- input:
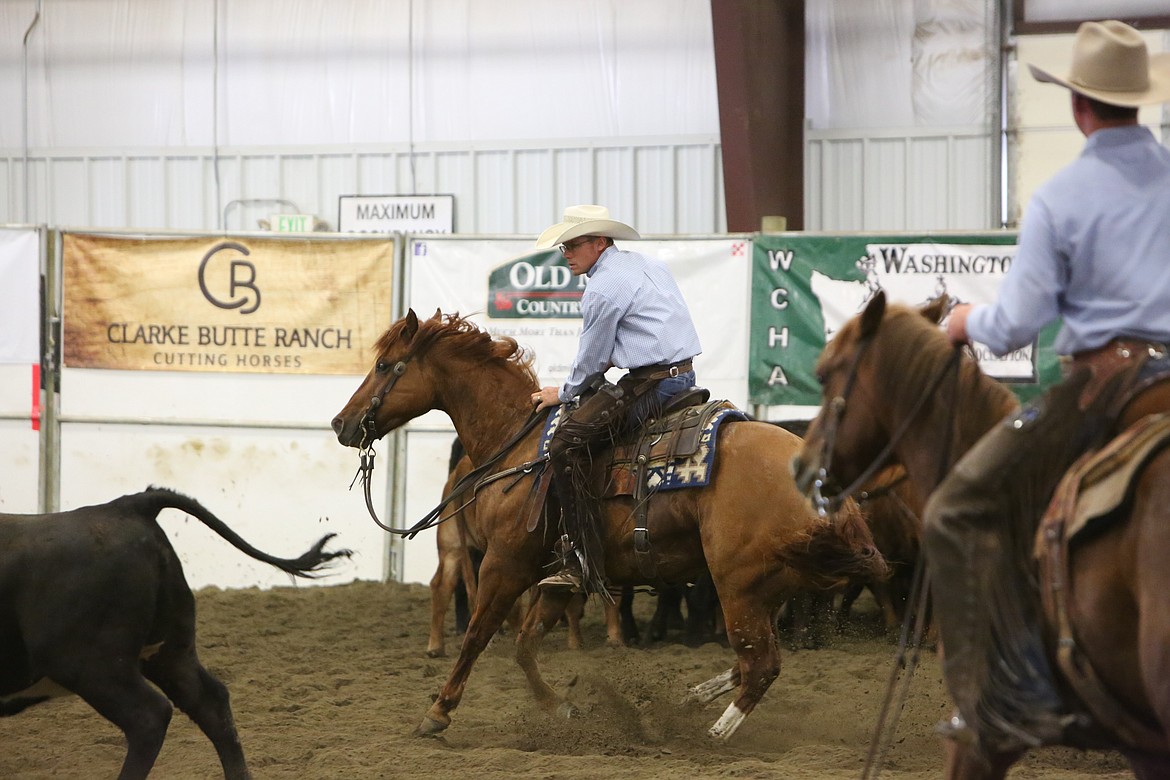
(431, 727)
(567, 710)
(437, 653)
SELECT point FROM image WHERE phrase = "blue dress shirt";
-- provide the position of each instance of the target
(1094, 250)
(634, 315)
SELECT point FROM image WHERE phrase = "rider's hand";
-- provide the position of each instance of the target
(546, 397)
(957, 324)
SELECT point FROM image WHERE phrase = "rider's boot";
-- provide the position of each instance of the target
(569, 575)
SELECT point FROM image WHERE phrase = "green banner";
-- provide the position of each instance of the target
(539, 286)
(804, 287)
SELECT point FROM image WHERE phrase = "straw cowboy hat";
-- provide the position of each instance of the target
(584, 221)
(1110, 64)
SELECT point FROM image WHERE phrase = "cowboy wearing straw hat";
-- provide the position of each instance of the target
(634, 317)
(1094, 251)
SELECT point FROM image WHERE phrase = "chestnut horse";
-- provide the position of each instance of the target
(750, 526)
(881, 399)
(457, 535)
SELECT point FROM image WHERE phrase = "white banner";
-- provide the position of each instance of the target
(20, 296)
(455, 276)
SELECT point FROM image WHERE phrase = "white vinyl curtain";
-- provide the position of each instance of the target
(128, 73)
(900, 63)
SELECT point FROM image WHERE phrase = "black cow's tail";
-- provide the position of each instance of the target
(310, 564)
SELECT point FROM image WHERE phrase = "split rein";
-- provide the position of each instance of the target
(435, 516)
(910, 637)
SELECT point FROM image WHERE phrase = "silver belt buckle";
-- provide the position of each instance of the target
(673, 371)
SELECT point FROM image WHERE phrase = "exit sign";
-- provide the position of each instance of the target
(291, 223)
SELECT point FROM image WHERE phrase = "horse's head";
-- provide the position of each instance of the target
(446, 363)
(397, 389)
(848, 434)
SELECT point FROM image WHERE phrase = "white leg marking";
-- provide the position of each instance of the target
(708, 691)
(727, 723)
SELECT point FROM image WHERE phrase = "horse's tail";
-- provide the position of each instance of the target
(837, 551)
(155, 499)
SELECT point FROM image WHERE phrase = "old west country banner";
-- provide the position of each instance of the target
(225, 303)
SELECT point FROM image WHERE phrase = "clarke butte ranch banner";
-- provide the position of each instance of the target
(258, 305)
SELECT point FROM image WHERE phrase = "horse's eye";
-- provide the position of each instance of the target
(382, 367)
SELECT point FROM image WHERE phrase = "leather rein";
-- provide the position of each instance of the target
(826, 503)
(476, 476)
(914, 625)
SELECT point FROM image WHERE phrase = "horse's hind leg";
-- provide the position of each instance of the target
(496, 598)
(574, 611)
(712, 689)
(547, 610)
(443, 586)
(749, 629)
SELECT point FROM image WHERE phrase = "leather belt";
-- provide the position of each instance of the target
(1107, 361)
(1114, 353)
(662, 370)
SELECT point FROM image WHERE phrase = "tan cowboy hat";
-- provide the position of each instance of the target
(584, 221)
(1110, 63)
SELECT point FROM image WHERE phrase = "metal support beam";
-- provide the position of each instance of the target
(759, 69)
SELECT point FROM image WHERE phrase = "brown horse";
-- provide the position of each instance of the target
(750, 526)
(877, 375)
(455, 538)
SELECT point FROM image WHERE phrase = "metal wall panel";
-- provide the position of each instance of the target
(661, 185)
(894, 180)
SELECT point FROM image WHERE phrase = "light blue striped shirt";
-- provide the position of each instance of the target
(1094, 249)
(634, 315)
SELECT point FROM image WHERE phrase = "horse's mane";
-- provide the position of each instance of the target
(919, 350)
(462, 338)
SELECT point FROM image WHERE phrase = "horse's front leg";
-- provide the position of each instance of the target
(496, 597)
(545, 613)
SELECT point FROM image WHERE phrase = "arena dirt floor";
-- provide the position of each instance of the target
(329, 682)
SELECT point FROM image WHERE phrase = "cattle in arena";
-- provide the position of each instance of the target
(892, 508)
(93, 602)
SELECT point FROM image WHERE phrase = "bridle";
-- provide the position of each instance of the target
(367, 453)
(826, 503)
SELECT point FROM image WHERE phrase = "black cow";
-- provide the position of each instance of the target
(93, 602)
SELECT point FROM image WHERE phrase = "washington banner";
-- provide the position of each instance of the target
(805, 287)
(242, 304)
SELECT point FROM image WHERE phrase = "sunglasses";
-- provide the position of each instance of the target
(568, 246)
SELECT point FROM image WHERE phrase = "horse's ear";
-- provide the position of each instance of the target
(935, 310)
(872, 316)
(438, 315)
(411, 326)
